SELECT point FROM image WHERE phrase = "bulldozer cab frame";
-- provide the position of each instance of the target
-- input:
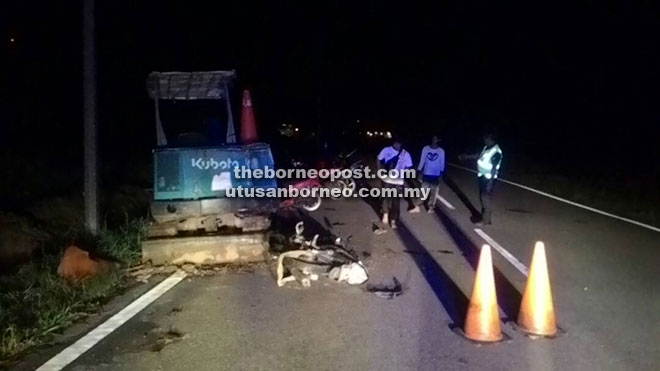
(188, 86)
(191, 180)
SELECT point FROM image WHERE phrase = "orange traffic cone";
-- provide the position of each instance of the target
(537, 314)
(248, 123)
(483, 322)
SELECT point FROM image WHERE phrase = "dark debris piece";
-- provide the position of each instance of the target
(377, 229)
(387, 291)
(175, 310)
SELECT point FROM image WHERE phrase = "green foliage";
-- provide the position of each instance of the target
(124, 242)
(35, 304)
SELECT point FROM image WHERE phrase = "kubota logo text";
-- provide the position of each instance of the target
(205, 164)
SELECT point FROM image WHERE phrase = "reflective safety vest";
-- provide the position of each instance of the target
(485, 164)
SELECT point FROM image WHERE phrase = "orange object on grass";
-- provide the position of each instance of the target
(76, 265)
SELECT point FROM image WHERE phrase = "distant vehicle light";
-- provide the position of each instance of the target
(296, 129)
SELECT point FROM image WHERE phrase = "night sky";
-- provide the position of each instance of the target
(568, 85)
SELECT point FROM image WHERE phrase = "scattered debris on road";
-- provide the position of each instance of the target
(190, 269)
(296, 273)
(377, 229)
(411, 252)
(175, 310)
(158, 338)
(312, 260)
(387, 291)
(353, 274)
(143, 272)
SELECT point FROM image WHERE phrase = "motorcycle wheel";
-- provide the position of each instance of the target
(350, 184)
(311, 203)
(339, 184)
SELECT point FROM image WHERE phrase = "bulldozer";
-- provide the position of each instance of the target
(193, 220)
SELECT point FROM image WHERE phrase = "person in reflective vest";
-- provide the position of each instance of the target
(488, 167)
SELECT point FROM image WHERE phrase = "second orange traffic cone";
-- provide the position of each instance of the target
(248, 123)
(482, 322)
(537, 313)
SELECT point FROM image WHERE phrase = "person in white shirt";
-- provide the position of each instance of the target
(393, 157)
(430, 169)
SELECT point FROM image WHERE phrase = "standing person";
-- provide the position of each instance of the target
(488, 166)
(431, 166)
(393, 157)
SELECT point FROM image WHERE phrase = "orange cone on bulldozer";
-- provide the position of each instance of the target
(537, 314)
(248, 123)
(482, 322)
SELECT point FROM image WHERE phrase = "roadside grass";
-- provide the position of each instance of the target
(36, 305)
(123, 243)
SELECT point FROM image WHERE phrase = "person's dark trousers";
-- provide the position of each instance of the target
(391, 205)
(412, 183)
(486, 198)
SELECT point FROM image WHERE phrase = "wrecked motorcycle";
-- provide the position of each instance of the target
(343, 183)
(310, 202)
(314, 259)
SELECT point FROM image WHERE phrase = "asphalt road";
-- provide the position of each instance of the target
(604, 276)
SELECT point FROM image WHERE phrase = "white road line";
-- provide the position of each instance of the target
(507, 255)
(74, 351)
(446, 203)
(597, 211)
